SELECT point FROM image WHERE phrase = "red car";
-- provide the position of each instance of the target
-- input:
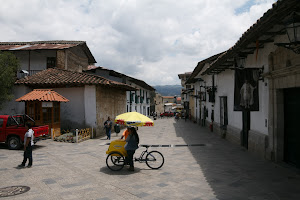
(12, 130)
(167, 114)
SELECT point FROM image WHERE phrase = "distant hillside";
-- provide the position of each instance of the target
(168, 90)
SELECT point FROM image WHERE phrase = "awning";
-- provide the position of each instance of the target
(43, 95)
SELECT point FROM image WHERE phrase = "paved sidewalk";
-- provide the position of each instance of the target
(215, 170)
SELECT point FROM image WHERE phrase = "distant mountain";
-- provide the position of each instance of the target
(168, 90)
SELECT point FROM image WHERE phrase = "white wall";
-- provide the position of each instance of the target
(13, 107)
(225, 87)
(90, 105)
(38, 59)
(73, 112)
(260, 119)
(138, 107)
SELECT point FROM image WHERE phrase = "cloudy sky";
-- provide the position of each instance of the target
(152, 40)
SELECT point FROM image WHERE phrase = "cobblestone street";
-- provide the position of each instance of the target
(216, 169)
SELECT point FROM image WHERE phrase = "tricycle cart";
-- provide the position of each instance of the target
(115, 159)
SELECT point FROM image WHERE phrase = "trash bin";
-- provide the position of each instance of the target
(117, 128)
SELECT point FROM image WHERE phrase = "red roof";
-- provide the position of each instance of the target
(54, 45)
(168, 97)
(39, 45)
(43, 95)
(54, 77)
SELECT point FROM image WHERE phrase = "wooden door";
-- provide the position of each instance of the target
(291, 126)
(246, 128)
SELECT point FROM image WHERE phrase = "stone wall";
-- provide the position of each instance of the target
(73, 59)
(233, 135)
(109, 102)
(60, 59)
(257, 143)
(76, 59)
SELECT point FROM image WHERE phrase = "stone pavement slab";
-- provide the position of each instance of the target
(215, 170)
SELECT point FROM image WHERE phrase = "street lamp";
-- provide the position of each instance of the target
(292, 26)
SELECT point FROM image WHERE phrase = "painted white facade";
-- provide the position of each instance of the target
(72, 113)
(38, 59)
(13, 107)
(134, 104)
(90, 105)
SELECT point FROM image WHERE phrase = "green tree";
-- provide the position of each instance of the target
(9, 65)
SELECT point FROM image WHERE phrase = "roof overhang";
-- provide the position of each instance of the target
(271, 24)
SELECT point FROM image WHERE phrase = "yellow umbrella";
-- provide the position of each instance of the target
(133, 119)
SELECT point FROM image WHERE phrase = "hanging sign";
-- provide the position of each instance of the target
(246, 89)
(47, 104)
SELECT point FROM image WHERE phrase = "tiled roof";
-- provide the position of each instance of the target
(43, 95)
(168, 97)
(54, 77)
(200, 66)
(38, 45)
(272, 18)
(118, 74)
(42, 45)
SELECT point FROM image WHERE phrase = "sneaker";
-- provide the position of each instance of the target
(21, 166)
(29, 166)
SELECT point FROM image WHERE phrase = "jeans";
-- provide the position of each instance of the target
(27, 155)
(130, 157)
(108, 133)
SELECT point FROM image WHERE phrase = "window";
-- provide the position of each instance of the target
(223, 112)
(33, 110)
(51, 62)
(30, 109)
(47, 115)
(11, 122)
(37, 111)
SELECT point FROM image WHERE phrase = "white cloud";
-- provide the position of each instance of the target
(148, 39)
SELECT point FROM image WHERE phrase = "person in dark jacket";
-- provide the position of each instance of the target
(132, 143)
(107, 126)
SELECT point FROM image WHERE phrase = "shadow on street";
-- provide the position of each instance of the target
(232, 172)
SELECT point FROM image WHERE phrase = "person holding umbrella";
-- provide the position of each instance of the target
(132, 142)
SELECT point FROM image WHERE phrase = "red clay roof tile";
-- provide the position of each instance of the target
(59, 77)
(43, 95)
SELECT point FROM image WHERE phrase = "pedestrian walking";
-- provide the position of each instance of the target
(107, 126)
(28, 143)
(131, 145)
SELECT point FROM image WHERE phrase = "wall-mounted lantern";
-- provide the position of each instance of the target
(292, 26)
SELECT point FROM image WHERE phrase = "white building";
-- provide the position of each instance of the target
(269, 60)
(58, 65)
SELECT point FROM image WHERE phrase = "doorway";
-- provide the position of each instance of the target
(291, 126)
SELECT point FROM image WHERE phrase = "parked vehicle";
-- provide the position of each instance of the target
(12, 130)
(167, 114)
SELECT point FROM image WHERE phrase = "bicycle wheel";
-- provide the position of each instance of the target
(115, 161)
(155, 160)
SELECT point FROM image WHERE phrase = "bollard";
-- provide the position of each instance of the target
(92, 132)
(76, 135)
(52, 133)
